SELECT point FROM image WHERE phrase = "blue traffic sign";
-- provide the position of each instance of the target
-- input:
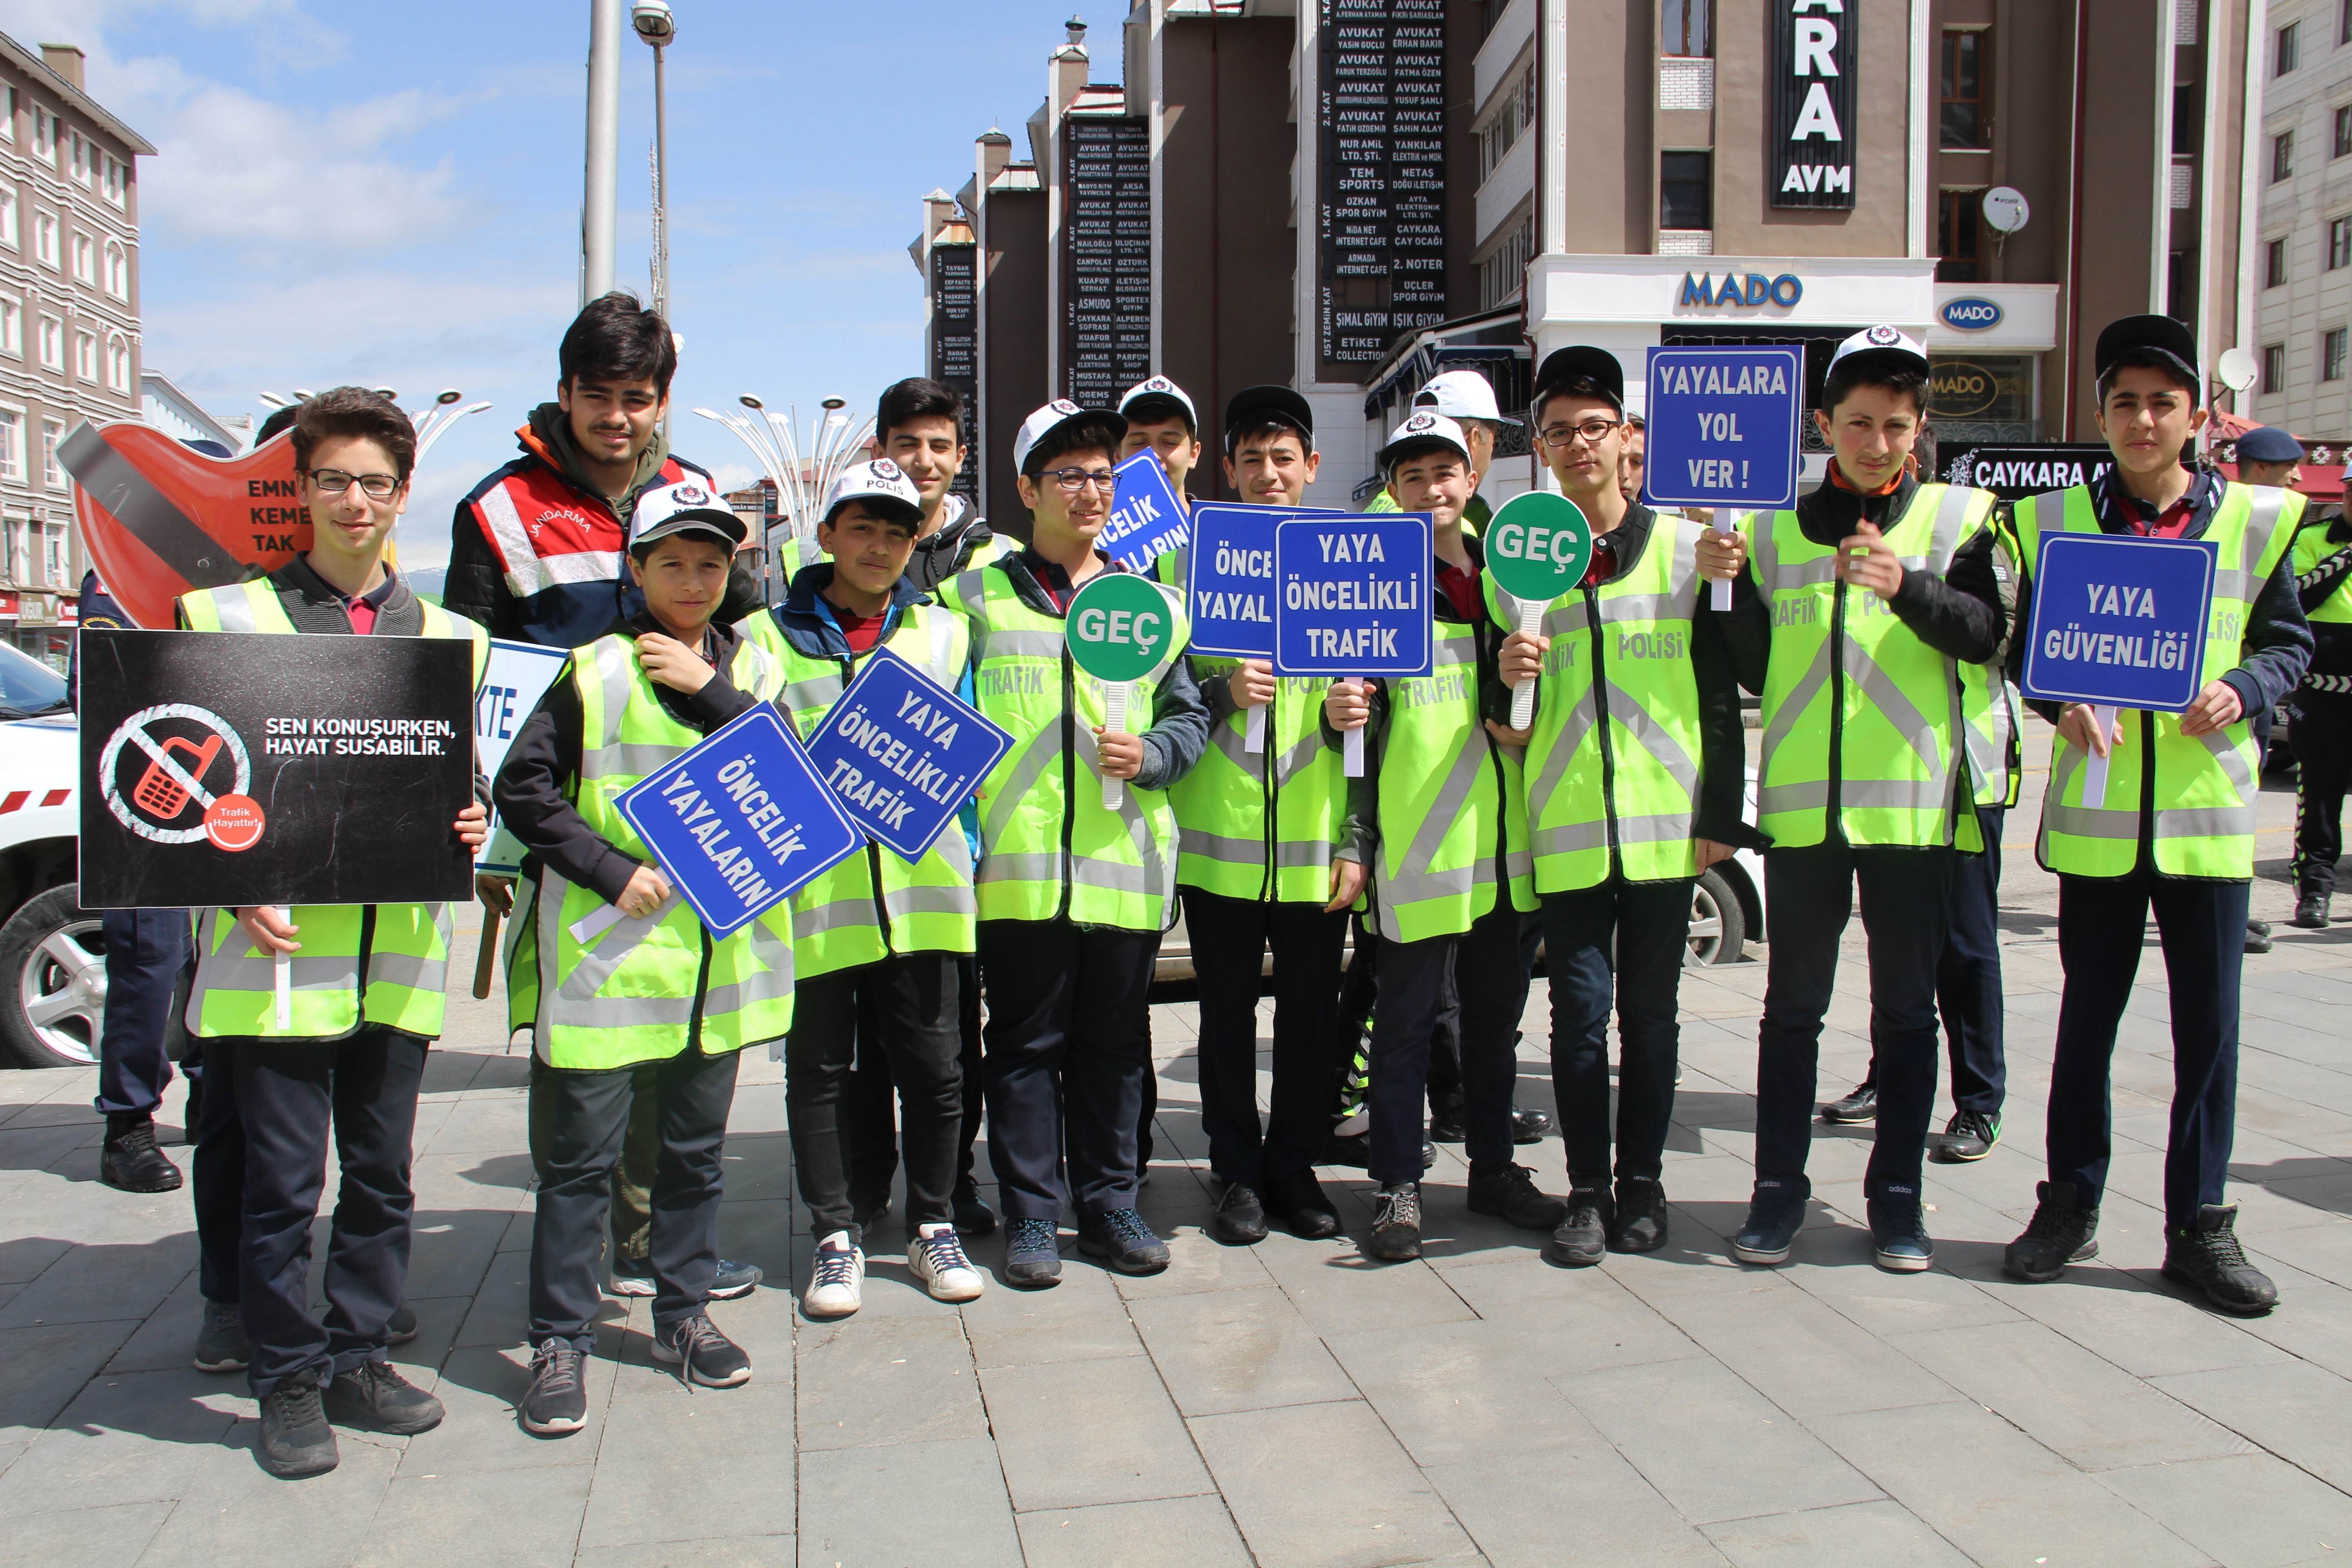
(1352, 594)
(900, 754)
(1147, 521)
(741, 821)
(1723, 425)
(2120, 621)
(1230, 593)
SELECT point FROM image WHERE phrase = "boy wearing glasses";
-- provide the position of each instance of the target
(1073, 895)
(1634, 777)
(368, 998)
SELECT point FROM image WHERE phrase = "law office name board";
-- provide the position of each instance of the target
(1381, 117)
(955, 345)
(1814, 104)
(1107, 228)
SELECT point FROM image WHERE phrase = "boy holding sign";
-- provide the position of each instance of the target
(1075, 886)
(875, 935)
(1451, 875)
(2173, 829)
(647, 983)
(1634, 772)
(1874, 677)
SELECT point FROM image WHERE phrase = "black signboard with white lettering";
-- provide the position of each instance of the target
(2013, 473)
(1106, 219)
(955, 346)
(229, 768)
(1813, 148)
(1381, 233)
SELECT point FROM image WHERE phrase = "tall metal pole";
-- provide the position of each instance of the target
(600, 207)
(661, 192)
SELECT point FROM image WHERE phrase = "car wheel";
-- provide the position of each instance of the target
(52, 981)
(1718, 928)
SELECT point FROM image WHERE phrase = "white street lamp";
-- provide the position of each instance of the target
(804, 469)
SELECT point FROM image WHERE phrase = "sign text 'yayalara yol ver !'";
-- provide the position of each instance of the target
(901, 753)
(1723, 426)
(240, 768)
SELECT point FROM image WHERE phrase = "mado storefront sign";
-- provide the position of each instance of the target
(1700, 290)
(1971, 315)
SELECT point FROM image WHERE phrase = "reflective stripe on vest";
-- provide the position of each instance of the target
(1048, 849)
(1628, 790)
(1897, 725)
(2205, 785)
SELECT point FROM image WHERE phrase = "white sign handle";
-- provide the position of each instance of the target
(1351, 752)
(282, 979)
(1114, 723)
(1523, 695)
(1718, 594)
(2095, 767)
(601, 919)
(1254, 736)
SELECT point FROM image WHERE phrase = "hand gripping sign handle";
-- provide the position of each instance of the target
(598, 921)
(1523, 695)
(1254, 736)
(2095, 766)
(1114, 723)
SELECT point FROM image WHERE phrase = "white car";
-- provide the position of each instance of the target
(52, 961)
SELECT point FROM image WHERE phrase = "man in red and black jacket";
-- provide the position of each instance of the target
(535, 550)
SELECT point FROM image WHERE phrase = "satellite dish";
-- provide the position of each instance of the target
(2005, 208)
(2236, 369)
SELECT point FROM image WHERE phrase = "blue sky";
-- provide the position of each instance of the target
(390, 193)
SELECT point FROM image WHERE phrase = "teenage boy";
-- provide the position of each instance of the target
(1875, 668)
(874, 937)
(919, 424)
(2322, 733)
(1450, 878)
(1635, 776)
(655, 987)
(2174, 829)
(1160, 420)
(1466, 397)
(346, 1064)
(1271, 857)
(1073, 895)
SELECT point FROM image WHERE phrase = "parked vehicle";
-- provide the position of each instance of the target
(52, 959)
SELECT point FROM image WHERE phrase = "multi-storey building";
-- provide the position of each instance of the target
(68, 319)
(2300, 271)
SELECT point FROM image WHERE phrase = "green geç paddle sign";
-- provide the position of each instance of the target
(1537, 548)
(1120, 627)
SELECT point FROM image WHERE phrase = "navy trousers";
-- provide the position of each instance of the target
(145, 950)
(1230, 939)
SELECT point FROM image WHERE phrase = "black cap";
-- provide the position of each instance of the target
(2269, 444)
(1279, 404)
(1581, 359)
(2155, 335)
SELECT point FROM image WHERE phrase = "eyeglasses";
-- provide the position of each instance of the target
(1593, 431)
(335, 482)
(1073, 480)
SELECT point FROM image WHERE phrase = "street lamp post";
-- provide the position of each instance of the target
(804, 470)
(657, 27)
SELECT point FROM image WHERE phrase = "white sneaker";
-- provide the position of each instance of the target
(837, 1279)
(937, 1258)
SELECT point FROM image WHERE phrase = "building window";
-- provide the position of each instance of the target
(2331, 352)
(2339, 243)
(85, 259)
(53, 342)
(53, 436)
(118, 271)
(2274, 367)
(8, 115)
(2282, 156)
(1958, 231)
(1504, 272)
(84, 156)
(117, 364)
(53, 555)
(12, 446)
(9, 219)
(1965, 122)
(45, 136)
(1502, 132)
(86, 355)
(45, 239)
(2290, 46)
(1687, 28)
(1686, 190)
(2275, 264)
(118, 181)
(12, 328)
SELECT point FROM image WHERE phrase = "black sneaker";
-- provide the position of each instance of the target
(1355, 1150)
(1240, 1219)
(1509, 1193)
(1396, 1223)
(2258, 936)
(634, 1276)
(128, 1159)
(2310, 912)
(2062, 1231)
(401, 1327)
(1529, 1126)
(1449, 1122)
(973, 1215)
(221, 1344)
(1299, 1202)
(701, 1353)
(557, 1401)
(1899, 1231)
(1641, 1222)
(372, 1394)
(1032, 1255)
(1862, 1105)
(1775, 1215)
(1120, 1239)
(2208, 1256)
(1969, 1135)
(295, 1439)
(1582, 1239)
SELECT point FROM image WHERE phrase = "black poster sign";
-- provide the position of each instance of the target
(1380, 225)
(955, 347)
(1106, 219)
(2012, 473)
(229, 768)
(1814, 96)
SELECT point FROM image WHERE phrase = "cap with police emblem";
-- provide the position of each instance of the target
(882, 487)
(689, 506)
(1052, 417)
(1422, 432)
(1882, 345)
(1460, 395)
(1157, 398)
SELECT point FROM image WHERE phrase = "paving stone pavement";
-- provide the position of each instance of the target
(1290, 1404)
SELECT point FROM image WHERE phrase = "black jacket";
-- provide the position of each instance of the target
(943, 555)
(2331, 651)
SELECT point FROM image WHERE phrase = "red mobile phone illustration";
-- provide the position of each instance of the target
(158, 794)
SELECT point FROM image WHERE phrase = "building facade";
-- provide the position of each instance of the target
(68, 320)
(2301, 270)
